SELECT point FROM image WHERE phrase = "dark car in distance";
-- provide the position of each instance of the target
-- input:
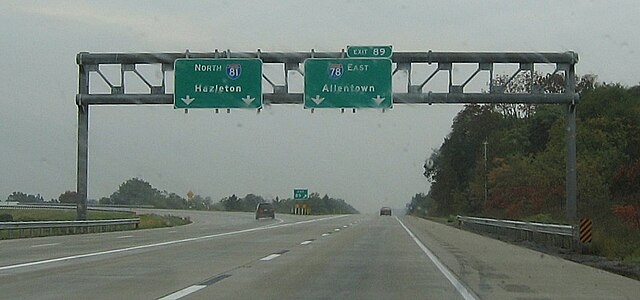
(385, 211)
(265, 210)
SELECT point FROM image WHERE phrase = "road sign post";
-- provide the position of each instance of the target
(218, 83)
(347, 83)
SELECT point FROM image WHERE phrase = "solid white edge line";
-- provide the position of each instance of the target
(464, 292)
(270, 257)
(183, 292)
(47, 261)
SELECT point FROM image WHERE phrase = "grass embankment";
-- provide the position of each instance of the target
(147, 221)
(611, 237)
(616, 241)
(157, 221)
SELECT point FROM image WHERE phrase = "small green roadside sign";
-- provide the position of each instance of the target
(347, 83)
(369, 51)
(218, 83)
(300, 194)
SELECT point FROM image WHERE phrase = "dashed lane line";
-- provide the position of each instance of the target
(183, 292)
(154, 245)
(270, 257)
(194, 288)
(45, 245)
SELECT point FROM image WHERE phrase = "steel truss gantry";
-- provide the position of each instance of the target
(129, 65)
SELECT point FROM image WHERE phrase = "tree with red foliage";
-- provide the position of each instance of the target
(626, 191)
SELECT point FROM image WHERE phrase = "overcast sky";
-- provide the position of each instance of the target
(370, 158)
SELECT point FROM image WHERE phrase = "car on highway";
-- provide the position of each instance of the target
(265, 210)
(385, 211)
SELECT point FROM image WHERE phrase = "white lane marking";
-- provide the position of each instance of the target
(345, 226)
(325, 234)
(271, 225)
(183, 292)
(464, 292)
(44, 245)
(270, 257)
(125, 237)
(306, 242)
(337, 229)
(92, 254)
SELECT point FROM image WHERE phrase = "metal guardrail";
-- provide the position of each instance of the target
(66, 226)
(58, 224)
(557, 229)
(567, 234)
(113, 208)
(37, 206)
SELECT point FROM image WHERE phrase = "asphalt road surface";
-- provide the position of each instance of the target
(233, 256)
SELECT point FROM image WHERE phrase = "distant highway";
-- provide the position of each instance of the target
(233, 256)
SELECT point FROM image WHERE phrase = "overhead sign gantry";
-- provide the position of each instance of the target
(323, 79)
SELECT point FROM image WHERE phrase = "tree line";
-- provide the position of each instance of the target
(521, 174)
(138, 192)
(317, 205)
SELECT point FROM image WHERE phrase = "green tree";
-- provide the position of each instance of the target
(68, 197)
(456, 160)
(26, 198)
(420, 205)
(250, 202)
(529, 136)
(136, 191)
(231, 203)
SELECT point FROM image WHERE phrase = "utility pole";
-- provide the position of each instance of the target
(485, 171)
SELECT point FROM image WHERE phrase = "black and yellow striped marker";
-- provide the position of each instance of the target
(585, 230)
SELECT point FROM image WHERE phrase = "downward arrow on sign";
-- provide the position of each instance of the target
(378, 99)
(317, 99)
(248, 100)
(187, 100)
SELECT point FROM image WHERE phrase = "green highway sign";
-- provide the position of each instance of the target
(347, 83)
(369, 51)
(217, 83)
(300, 194)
